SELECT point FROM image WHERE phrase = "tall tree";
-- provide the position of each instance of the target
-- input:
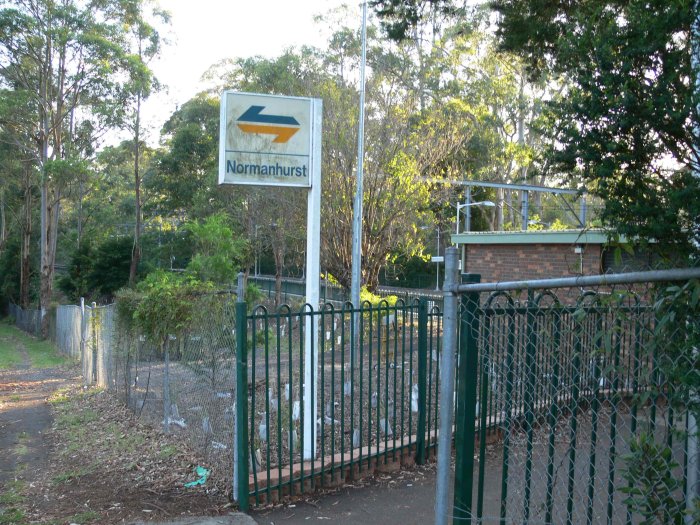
(64, 57)
(626, 124)
(144, 43)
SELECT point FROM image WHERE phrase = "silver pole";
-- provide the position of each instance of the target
(357, 207)
(447, 386)
(654, 276)
(468, 211)
(240, 295)
(437, 264)
(692, 447)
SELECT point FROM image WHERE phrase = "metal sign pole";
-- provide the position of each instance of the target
(313, 277)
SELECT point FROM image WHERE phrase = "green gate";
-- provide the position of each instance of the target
(576, 403)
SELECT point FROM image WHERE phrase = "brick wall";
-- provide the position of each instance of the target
(516, 262)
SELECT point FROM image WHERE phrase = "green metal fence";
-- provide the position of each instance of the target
(583, 402)
(376, 401)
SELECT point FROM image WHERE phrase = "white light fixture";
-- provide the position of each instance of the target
(487, 204)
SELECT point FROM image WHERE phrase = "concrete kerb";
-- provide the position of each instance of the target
(232, 519)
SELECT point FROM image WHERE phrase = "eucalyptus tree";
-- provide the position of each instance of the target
(465, 67)
(144, 43)
(628, 123)
(67, 59)
(17, 195)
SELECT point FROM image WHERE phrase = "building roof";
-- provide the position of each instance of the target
(534, 237)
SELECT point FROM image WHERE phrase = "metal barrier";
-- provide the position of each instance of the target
(26, 320)
(576, 401)
(376, 400)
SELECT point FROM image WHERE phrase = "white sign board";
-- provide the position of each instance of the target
(266, 140)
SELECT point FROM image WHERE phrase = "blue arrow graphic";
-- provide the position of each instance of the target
(253, 114)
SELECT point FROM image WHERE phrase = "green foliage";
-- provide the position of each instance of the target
(127, 301)
(77, 283)
(253, 295)
(166, 306)
(676, 340)
(376, 300)
(188, 166)
(654, 491)
(10, 271)
(629, 107)
(110, 270)
(219, 255)
(400, 17)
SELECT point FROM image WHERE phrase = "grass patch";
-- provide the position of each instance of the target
(73, 427)
(42, 354)
(168, 451)
(9, 355)
(21, 449)
(11, 516)
(131, 442)
(72, 475)
(15, 398)
(71, 419)
(12, 494)
(60, 396)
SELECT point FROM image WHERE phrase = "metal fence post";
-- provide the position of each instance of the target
(83, 337)
(422, 378)
(166, 385)
(447, 370)
(467, 373)
(93, 318)
(241, 425)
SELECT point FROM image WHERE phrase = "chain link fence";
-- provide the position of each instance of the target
(184, 385)
(584, 398)
(576, 400)
(26, 320)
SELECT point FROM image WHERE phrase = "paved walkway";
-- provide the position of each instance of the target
(403, 498)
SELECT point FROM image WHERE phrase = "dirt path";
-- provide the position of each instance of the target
(25, 424)
(25, 416)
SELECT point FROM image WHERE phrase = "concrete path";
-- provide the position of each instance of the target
(233, 519)
(404, 498)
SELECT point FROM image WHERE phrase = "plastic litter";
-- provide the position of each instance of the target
(203, 476)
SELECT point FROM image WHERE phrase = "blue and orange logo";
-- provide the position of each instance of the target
(253, 121)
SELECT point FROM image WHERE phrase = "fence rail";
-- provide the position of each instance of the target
(563, 391)
(582, 395)
(376, 400)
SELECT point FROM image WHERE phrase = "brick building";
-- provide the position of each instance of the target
(521, 255)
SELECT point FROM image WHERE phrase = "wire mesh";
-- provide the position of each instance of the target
(184, 384)
(26, 319)
(583, 404)
(68, 330)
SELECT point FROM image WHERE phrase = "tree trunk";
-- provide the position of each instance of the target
(136, 251)
(50, 213)
(25, 248)
(499, 209)
(279, 267)
(3, 222)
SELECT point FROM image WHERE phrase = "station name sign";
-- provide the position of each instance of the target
(266, 140)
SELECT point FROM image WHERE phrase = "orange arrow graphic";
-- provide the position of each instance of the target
(283, 133)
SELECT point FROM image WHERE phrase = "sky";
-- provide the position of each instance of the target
(202, 32)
